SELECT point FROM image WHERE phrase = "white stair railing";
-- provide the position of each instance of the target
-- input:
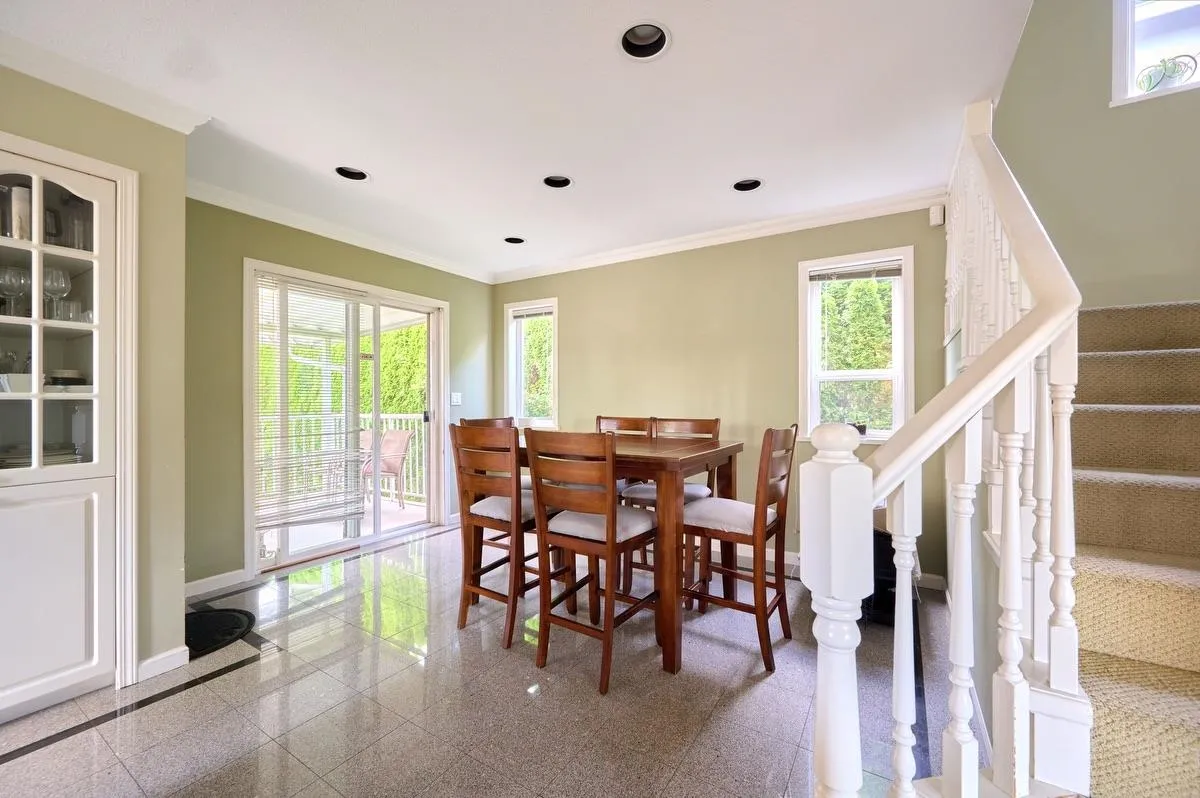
(1005, 420)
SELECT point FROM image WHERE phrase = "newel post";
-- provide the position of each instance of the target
(836, 556)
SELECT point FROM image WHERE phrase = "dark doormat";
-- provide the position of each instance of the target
(209, 630)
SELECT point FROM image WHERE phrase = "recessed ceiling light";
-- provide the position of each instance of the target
(350, 173)
(747, 185)
(644, 40)
(514, 240)
(557, 181)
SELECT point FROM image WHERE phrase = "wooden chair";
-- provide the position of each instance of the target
(631, 426)
(646, 494)
(393, 451)
(573, 472)
(506, 421)
(487, 461)
(754, 525)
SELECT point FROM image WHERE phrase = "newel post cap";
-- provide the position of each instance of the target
(839, 440)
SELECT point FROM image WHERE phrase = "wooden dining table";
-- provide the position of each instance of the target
(669, 461)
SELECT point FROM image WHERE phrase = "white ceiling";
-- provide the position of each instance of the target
(459, 108)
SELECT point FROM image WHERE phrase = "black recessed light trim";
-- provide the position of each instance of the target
(350, 173)
(644, 40)
(514, 240)
(557, 181)
(749, 184)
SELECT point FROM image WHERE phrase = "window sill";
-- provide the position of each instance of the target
(1137, 98)
(872, 440)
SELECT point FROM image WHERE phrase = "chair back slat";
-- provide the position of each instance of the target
(487, 462)
(626, 425)
(688, 428)
(505, 422)
(572, 471)
(774, 474)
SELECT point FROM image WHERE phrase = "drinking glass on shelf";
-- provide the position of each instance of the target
(10, 289)
(56, 284)
(71, 310)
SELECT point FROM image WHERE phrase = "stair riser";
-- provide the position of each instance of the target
(1174, 326)
(1138, 619)
(1161, 518)
(1153, 378)
(1134, 441)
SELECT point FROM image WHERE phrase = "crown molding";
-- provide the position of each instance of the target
(252, 206)
(915, 201)
(20, 55)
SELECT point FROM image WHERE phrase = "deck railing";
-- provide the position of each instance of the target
(1005, 421)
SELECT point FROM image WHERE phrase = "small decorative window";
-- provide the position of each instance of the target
(1156, 44)
(531, 357)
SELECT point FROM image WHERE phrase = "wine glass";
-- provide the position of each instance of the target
(10, 288)
(56, 284)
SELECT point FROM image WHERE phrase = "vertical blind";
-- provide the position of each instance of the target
(307, 459)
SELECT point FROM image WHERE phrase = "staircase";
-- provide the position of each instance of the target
(1136, 443)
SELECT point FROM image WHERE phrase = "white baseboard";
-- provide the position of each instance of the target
(932, 582)
(161, 663)
(211, 583)
(454, 520)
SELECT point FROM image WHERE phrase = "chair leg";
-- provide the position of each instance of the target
(626, 572)
(689, 565)
(610, 588)
(594, 589)
(705, 572)
(729, 562)
(760, 606)
(516, 578)
(785, 620)
(560, 558)
(468, 572)
(477, 558)
(545, 585)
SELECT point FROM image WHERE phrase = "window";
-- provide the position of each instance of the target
(1155, 47)
(531, 358)
(856, 341)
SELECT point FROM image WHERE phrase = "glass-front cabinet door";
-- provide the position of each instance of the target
(57, 331)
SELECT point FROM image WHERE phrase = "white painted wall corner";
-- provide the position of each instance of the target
(213, 583)
(159, 664)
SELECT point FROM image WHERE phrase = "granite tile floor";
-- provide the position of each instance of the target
(356, 682)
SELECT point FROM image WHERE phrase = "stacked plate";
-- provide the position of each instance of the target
(19, 456)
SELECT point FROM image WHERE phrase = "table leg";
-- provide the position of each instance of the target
(727, 489)
(667, 574)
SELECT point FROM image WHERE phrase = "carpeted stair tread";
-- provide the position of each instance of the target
(1154, 512)
(1174, 325)
(1154, 377)
(1136, 437)
(1139, 605)
(1146, 732)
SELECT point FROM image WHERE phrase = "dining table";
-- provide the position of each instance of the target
(670, 461)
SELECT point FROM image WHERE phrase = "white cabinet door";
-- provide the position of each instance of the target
(57, 546)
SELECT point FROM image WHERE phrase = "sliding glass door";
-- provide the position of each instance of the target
(341, 389)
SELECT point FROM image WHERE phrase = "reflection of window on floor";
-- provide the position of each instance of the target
(1157, 43)
(854, 337)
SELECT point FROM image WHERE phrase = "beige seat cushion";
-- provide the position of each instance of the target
(648, 492)
(631, 521)
(498, 506)
(727, 515)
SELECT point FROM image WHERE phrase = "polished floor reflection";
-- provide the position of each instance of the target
(356, 682)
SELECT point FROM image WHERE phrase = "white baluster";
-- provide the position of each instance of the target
(1010, 690)
(1043, 439)
(960, 750)
(1028, 503)
(992, 472)
(904, 508)
(835, 564)
(1064, 634)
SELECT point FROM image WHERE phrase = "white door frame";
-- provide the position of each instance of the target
(126, 181)
(439, 387)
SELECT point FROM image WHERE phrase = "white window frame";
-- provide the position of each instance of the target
(903, 345)
(512, 363)
(1123, 89)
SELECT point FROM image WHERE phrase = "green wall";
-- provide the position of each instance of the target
(1115, 187)
(713, 333)
(36, 110)
(218, 241)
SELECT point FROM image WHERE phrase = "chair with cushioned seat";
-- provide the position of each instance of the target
(487, 461)
(502, 422)
(754, 525)
(574, 473)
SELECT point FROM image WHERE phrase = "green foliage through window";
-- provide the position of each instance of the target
(856, 335)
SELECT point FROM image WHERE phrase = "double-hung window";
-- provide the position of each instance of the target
(531, 362)
(1156, 44)
(856, 341)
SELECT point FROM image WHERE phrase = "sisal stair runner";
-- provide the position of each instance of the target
(1136, 442)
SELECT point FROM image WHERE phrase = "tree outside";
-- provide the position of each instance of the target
(537, 359)
(856, 323)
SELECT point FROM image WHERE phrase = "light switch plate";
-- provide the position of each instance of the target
(455, 399)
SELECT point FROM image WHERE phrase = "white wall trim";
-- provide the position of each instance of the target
(917, 200)
(159, 664)
(261, 209)
(126, 181)
(52, 68)
(454, 519)
(210, 584)
(510, 377)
